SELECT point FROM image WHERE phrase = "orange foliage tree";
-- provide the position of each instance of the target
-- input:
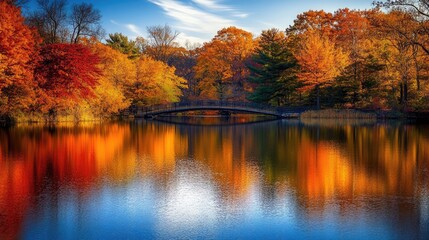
(320, 62)
(361, 81)
(17, 49)
(221, 67)
(319, 21)
(419, 9)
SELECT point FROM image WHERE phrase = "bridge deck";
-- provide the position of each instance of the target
(152, 111)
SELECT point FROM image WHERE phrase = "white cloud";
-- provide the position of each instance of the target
(130, 27)
(183, 39)
(133, 28)
(241, 15)
(192, 19)
(213, 5)
(216, 5)
(204, 17)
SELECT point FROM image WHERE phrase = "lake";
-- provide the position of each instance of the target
(216, 179)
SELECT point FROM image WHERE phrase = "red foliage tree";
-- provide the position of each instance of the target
(67, 72)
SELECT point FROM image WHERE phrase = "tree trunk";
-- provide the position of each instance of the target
(318, 96)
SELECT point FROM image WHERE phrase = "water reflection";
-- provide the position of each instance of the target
(157, 180)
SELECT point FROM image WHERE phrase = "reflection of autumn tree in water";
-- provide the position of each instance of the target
(321, 165)
(31, 158)
(359, 167)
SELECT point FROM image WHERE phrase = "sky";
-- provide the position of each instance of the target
(198, 21)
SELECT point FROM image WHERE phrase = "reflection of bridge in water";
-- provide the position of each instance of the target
(228, 106)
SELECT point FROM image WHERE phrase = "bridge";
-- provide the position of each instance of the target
(229, 106)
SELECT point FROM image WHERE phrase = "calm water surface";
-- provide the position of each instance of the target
(272, 180)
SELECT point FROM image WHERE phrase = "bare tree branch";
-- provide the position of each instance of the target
(85, 21)
(161, 38)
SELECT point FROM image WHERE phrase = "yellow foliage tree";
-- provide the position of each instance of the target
(320, 61)
(118, 75)
(156, 83)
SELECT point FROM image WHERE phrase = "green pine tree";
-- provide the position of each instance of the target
(121, 43)
(271, 70)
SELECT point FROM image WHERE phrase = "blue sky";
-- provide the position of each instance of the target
(199, 20)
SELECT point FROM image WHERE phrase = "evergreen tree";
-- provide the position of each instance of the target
(121, 43)
(270, 71)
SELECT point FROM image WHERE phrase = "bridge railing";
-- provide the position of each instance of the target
(208, 103)
(215, 103)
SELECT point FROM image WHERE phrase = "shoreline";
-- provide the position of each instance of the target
(323, 114)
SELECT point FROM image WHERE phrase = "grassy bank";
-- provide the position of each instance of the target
(338, 114)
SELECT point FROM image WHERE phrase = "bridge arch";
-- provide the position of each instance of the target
(184, 106)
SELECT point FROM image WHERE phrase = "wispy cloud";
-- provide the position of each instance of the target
(130, 27)
(216, 5)
(133, 28)
(184, 38)
(203, 17)
(241, 15)
(213, 5)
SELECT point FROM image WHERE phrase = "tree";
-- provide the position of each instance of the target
(121, 43)
(319, 21)
(85, 21)
(397, 28)
(161, 40)
(17, 52)
(51, 20)
(320, 62)
(184, 60)
(58, 24)
(18, 3)
(156, 83)
(221, 64)
(361, 80)
(270, 71)
(118, 75)
(419, 9)
(67, 73)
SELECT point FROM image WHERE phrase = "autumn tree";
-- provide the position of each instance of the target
(184, 61)
(320, 62)
(419, 9)
(67, 73)
(221, 64)
(320, 21)
(117, 78)
(270, 70)
(17, 50)
(156, 83)
(397, 28)
(361, 80)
